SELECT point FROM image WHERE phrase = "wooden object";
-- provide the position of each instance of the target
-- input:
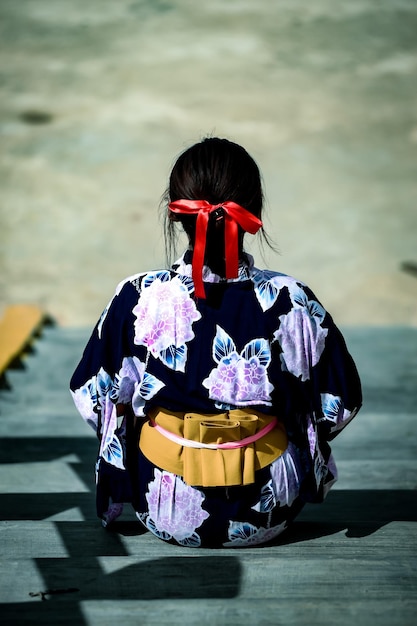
(18, 326)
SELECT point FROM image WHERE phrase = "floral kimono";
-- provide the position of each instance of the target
(260, 344)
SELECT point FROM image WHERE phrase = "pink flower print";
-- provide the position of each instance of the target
(253, 372)
(174, 507)
(259, 394)
(228, 368)
(239, 379)
(221, 381)
(131, 372)
(164, 314)
(302, 340)
(113, 512)
(217, 388)
(241, 389)
(312, 437)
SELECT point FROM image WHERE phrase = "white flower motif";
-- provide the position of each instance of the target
(239, 379)
(302, 340)
(174, 507)
(334, 411)
(93, 398)
(134, 384)
(267, 501)
(286, 476)
(84, 402)
(113, 512)
(112, 451)
(130, 373)
(320, 469)
(312, 436)
(267, 287)
(332, 469)
(164, 314)
(243, 534)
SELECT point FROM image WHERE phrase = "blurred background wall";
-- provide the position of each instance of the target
(98, 97)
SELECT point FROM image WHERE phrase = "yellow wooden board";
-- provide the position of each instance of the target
(17, 327)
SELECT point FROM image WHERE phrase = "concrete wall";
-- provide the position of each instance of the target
(98, 97)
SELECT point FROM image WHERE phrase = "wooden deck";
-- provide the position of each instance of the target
(350, 561)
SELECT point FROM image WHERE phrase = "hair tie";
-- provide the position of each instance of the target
(234, 215)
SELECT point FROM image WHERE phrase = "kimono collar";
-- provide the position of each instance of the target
(183, 266)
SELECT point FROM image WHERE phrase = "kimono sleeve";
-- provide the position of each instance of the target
(314, 351)
(95, 384)
(336, 383)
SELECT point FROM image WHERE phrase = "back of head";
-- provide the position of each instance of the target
(215, 170)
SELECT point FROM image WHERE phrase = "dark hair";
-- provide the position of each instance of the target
(216, 170)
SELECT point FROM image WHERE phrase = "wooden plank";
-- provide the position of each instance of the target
(350, 560)
(17, 328)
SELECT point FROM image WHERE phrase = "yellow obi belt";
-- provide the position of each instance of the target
(213, 450)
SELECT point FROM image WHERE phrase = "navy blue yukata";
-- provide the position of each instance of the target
(260, 341)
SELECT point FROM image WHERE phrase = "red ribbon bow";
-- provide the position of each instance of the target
(234, 215)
